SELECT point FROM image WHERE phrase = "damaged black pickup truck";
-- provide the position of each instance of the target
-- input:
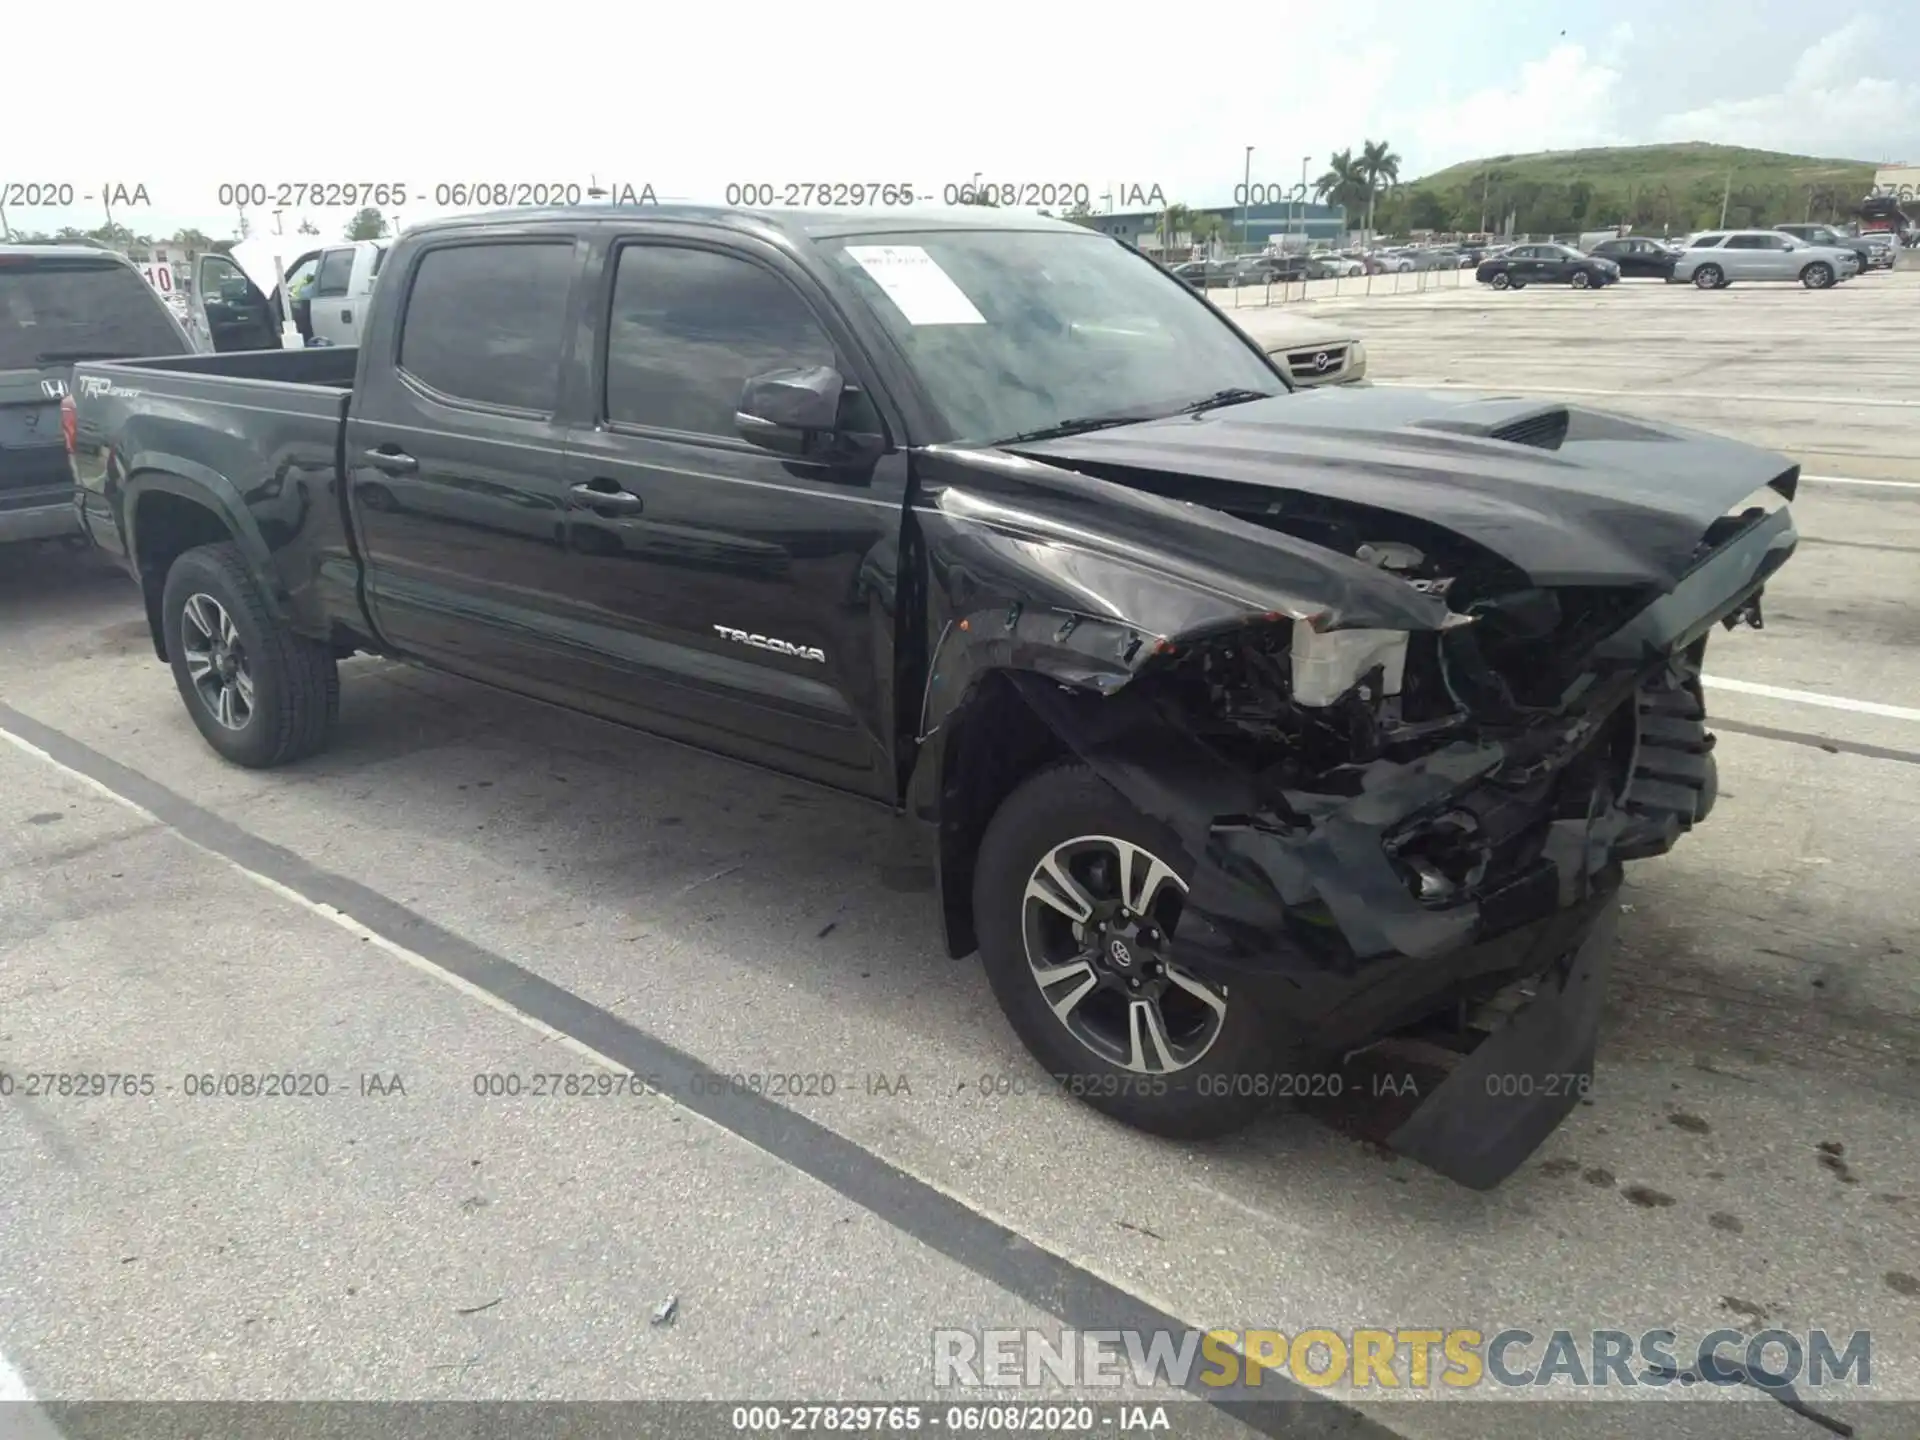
(1246, 727)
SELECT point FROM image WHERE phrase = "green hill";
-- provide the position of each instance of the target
(1671, 187)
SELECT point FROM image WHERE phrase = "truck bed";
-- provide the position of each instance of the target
(330, 367)
(256, 433)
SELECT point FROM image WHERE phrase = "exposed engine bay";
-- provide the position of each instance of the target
(1611, 746)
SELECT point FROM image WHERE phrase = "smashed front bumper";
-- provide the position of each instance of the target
(1325, 932)
(1512, 1090)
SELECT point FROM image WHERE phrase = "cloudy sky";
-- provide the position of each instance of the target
(697, 96)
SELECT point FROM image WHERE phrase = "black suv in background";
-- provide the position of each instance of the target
(60, 304)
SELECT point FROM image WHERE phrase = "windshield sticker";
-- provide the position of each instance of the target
(915, 282)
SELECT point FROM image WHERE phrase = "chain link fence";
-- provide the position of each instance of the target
(1392, 282)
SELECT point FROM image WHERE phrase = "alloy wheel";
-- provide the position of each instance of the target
(216, 659)
(1097, 919)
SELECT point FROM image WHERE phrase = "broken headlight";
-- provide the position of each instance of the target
(1326, 664)
(1442, 857)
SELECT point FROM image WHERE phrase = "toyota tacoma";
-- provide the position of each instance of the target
(1245, 727)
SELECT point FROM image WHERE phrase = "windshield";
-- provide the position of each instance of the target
(53, 309)
(1016, 331)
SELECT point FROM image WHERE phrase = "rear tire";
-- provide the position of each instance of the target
(1198, 1066)
(261, 695)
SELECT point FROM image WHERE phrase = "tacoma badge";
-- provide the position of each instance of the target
(767, 642)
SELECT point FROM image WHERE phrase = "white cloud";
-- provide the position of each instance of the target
(1832, 104)
(1562, 101)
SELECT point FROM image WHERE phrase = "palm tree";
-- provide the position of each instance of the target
(1380, 168)
(1344, 183)
(1174, 220)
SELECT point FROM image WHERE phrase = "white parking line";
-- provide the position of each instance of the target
(1813, 697)
(1856, 480)
(1880, 403)
(21, 1418)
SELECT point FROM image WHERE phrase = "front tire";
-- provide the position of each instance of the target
(1709, 277)
(1500, 280)
(260, 695)
(1581, 280)
(1076, 894)
(1817, 276)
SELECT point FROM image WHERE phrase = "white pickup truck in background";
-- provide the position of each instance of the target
(231, 301)
(330, 310)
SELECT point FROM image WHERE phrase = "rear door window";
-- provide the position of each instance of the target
(336, 269)
(487, 323)
(56, 310)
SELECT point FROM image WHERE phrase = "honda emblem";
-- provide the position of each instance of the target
(54, 389)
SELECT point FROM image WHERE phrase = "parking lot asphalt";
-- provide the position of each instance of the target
(1829, 376)
(470, 885)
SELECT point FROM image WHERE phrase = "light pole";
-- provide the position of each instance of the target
(1246, 194)
(1305, 160)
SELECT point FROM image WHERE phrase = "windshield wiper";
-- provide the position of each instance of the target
(55, 357)
(1222, 397)
(1073, 427)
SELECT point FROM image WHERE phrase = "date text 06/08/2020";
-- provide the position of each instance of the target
(1073, 195)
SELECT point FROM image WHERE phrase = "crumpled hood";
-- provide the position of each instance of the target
(1617, 501)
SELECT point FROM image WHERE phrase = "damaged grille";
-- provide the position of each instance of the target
(1545, 431)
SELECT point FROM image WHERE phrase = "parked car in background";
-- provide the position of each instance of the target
(1716, 259)
(1386, 262)
(61, 304)
(1638, 256)
(1269, 270)
(1826, 235)
(1205, 274)
(1526, 265)
(1882, 249)
(1312, 352)
(1328, 266)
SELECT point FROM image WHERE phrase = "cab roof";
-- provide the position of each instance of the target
(10, 251)
(793, 224)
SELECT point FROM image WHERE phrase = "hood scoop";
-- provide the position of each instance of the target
(1542, 429)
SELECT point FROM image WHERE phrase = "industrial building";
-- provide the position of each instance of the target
(1294, 226)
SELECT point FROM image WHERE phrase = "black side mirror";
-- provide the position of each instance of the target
(786, 410)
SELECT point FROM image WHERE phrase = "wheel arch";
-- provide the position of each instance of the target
(988, 742)
(171, 511)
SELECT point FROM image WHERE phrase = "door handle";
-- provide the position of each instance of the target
(623, 502)
(393, 462)
(346, 316)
